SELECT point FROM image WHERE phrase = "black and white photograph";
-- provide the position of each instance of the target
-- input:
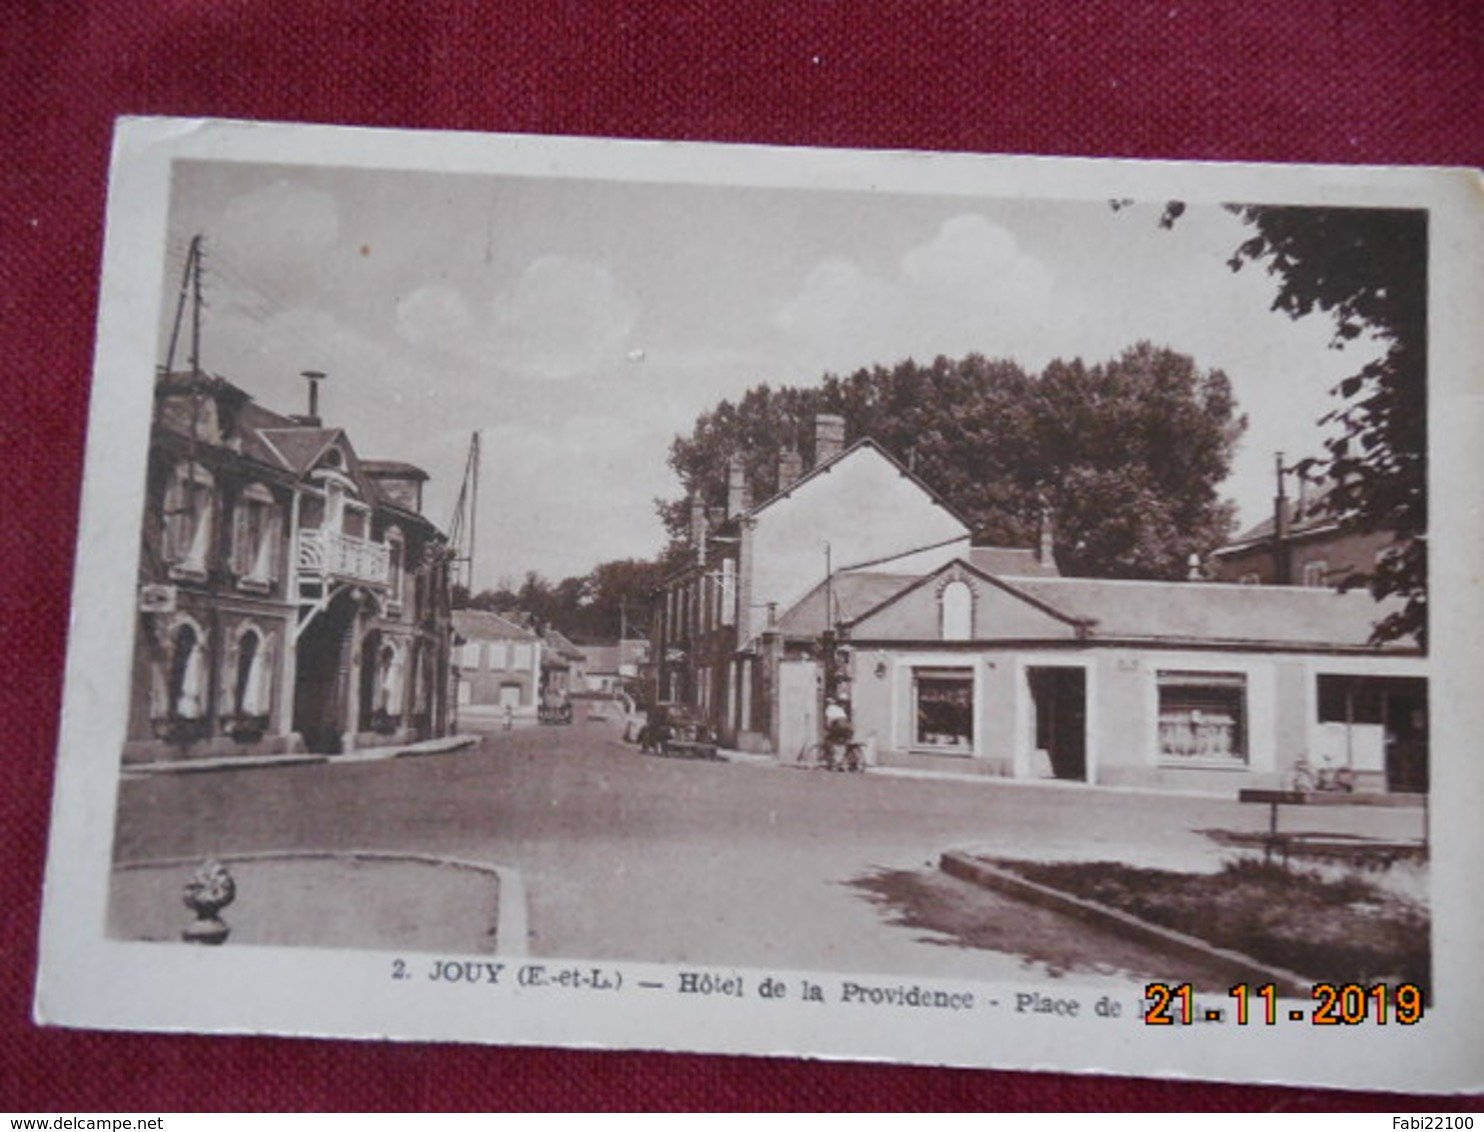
(974, 611)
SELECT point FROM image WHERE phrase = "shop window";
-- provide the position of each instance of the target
(957, 611)
(943, 708)
(189, 503)
(1349, 699)
(1202, 717)
(255, 538)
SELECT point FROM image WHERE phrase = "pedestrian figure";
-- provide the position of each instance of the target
(509, 717)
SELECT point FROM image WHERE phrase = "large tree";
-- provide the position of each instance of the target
(1123, 458)
(1366, 269)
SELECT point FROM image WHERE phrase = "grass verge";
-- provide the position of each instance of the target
(1328, 929)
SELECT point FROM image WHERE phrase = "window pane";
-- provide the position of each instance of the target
(945, 710)
(1202, 717)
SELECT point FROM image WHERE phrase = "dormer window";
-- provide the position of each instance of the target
(190, 499)
(256, 532)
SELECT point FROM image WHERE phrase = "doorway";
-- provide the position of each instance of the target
(322, 677)
(1059, 698)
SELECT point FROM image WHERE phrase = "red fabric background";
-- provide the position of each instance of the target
(1361, 81)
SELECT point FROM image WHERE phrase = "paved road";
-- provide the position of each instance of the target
(627, 856)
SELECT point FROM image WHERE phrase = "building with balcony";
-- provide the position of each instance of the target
(291, 597)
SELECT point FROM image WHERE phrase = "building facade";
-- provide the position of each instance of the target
(291, 595)
(498, 663)
(1172, 685)
(714, 626)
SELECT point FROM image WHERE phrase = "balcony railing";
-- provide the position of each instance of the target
(332, 556)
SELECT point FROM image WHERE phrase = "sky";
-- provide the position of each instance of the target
(579, 325)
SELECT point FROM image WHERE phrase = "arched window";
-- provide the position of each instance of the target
(189, 503)
(255, 537)
(957, 600)
(247, 675)
(180, 685)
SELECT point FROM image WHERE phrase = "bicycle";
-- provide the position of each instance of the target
(844, 755)
(1309, 779)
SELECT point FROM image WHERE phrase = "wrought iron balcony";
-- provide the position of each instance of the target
(332, 556)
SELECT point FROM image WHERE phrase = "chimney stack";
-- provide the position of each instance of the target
(314, 377)
(790, 468)
(738, 498)
(1282, 517)
(829, 437)
(1046, 552)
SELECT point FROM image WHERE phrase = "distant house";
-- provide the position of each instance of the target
(562, 666)
(1301, 544)
(291, 594)
(615, 667)
(1162, 684)
(498, 662)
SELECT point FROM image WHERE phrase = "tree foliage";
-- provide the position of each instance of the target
(1123, 457)
(610, 599)
(1367, 269)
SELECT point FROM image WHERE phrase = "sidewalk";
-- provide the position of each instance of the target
(247, 762)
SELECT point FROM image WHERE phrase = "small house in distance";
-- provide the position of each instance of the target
(498, 664)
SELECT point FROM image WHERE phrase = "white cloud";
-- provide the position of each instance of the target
(564, 317)
(435, 315)
(969, 288)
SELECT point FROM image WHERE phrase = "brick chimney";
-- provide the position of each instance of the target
(829, 437)
(738, 497)
(790, 468)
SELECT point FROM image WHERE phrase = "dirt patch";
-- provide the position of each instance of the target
(955, 913)
(1328, 928)
(392, 905)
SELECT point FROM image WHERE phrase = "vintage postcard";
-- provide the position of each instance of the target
(958, 610)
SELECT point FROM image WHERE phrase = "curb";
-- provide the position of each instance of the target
(261, 762)
(1243, 967)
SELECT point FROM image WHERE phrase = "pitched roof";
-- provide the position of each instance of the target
(560, 643)
(1307, 516)
(482, 625)
(822, 468)
(1206, 613)
(852, 595)
(393, 469)
(299, 447)
(1011, 561)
